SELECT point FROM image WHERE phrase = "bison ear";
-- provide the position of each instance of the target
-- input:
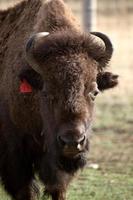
(106, 80)
(32, 77)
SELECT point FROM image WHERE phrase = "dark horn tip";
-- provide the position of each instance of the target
(99, 34)
(108, 46)
(104, 37)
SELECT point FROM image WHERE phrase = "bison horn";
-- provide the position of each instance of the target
(30, 46)
(106, 49)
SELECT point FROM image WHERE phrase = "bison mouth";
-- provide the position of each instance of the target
(73, 153)
(72, 159)
(72, 164)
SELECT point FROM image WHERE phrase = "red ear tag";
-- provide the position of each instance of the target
(25, 87)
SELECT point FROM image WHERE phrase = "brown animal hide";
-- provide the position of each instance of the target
(47, 131)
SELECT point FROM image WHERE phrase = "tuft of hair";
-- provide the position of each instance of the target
(107, 80)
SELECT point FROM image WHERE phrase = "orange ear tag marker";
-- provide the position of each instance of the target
(25, 87)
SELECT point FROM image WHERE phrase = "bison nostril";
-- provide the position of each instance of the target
(61, 141)
(71, 142)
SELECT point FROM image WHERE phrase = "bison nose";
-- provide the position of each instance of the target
(71, 141)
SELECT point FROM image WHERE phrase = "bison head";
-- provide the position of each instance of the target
(67, 72)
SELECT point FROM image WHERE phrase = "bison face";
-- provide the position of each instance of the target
(67, 69)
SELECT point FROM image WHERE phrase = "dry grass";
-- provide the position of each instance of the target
(120, 30)
(4, 4)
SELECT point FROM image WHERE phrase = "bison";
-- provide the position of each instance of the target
(50, 74)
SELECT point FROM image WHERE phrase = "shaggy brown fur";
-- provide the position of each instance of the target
(30, 124)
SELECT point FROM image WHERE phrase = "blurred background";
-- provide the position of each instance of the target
(109, 173)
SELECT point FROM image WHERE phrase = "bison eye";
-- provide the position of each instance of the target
(94, 91)
(93, 94)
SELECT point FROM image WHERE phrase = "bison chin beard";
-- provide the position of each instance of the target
(54, 163)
